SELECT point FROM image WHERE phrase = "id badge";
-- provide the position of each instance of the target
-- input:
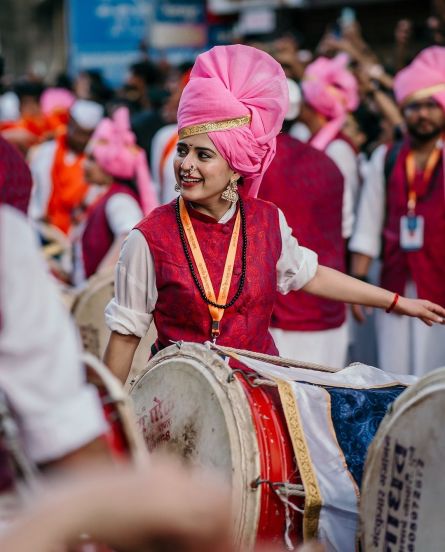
(411, 232)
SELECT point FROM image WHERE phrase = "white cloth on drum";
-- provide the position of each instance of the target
(40, 367)
(338, 518)
(356, 375)
(129, 312)
(328, 347)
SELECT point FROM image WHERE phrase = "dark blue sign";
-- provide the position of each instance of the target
(105, 34)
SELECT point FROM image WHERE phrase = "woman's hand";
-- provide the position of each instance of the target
(426, 311)
(360, 313)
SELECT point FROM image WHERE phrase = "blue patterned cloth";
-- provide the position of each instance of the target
(356, 415)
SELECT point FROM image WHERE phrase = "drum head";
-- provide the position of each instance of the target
(403, 491)
(88, 313)
(188, 403)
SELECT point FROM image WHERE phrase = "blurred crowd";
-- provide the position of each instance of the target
(100, 159)
(343, 104)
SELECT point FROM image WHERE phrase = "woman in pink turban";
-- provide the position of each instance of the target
(332, 91)
(208, 264)
(119, 167)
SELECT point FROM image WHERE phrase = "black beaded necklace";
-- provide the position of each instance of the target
(192, 268)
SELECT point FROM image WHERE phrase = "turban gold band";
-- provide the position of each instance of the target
(423, 93)
(202, 128)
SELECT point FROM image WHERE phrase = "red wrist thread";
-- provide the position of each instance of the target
(394, 303)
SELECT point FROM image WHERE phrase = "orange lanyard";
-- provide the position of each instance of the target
(216, 314)
(433, 159)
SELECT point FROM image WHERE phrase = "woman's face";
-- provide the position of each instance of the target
(200, 170)
(94, 174)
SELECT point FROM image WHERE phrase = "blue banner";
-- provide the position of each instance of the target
(105, 35)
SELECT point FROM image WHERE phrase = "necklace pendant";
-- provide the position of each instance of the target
(215, 330)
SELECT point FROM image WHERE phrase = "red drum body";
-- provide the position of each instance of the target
(277, 462)
(190, 402)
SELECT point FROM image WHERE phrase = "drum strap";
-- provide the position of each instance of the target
(216, 314)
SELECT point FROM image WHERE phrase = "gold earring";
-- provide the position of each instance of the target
(231, 192)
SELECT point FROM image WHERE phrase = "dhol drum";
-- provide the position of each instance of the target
(88, 312)
(280, 435)
(403, 493)
(190, 402)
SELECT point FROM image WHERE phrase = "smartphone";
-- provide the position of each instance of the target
(347, 17)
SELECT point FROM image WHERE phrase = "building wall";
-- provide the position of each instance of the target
(32, 37)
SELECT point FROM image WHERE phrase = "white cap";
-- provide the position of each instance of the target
(86, 113)
(294, 101)
(9, 107)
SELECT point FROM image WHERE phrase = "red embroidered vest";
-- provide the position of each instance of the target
(180, 312)
(427, 266)
(308, 187)
(98, 236)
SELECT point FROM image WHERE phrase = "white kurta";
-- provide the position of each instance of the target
(164, 177)
(40, 368)
(130, 311)
(41, 160)
(405, 345)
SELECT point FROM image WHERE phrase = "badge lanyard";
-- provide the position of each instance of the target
(215, 313)
(411, 176)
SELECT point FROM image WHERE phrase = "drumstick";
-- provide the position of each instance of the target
(278, 361)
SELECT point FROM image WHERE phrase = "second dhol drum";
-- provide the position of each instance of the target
(403, 495)
(88, 313)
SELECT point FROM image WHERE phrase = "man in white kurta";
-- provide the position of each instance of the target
(40, 368)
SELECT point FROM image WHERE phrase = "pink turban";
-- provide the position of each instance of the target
(113, 145)
(244, 91)
(423, 78)
(329, 88)
(56, 99)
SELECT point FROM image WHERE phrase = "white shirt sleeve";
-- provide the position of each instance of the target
(40, 367)
(297, 265)
(41, 163)
(371, 212)
(123, 213)
(129, 312)
(346, 160)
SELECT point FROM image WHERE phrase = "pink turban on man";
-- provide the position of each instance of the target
(113, 145)
(331, 89)
(244, 91)
(423, 78)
